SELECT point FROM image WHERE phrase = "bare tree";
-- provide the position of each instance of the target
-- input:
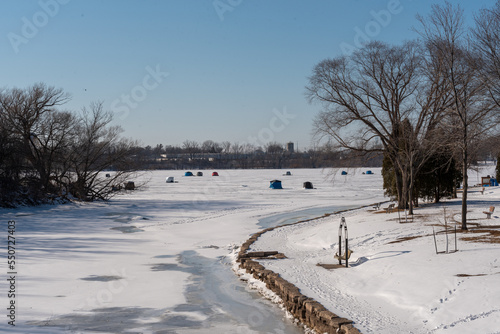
(236, 149)
(11, 164)
(48, 153)
(53, 144)
(209, 146)
(24, 113)
(444, 33)
(381, 98)
(98, 147)
(486, 40)
(226, 147)
(158, 149)
(191, 147)
(276, 153)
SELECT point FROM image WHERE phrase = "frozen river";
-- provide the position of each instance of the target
(158, 260)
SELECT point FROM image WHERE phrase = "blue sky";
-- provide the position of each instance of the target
(176, 70)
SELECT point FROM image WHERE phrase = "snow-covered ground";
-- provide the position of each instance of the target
(396, 282)
(158, 259)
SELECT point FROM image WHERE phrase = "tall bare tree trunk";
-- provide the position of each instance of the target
(411, 190)
(465, 185)
(399, 188)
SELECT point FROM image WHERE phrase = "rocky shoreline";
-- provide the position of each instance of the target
(306, 310)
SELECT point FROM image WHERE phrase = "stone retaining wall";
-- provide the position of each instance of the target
(307, 310)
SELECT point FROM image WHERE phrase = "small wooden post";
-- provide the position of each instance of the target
(435, 242)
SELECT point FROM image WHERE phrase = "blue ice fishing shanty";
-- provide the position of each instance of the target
(188, 174)
(369, 172)
(344, 172)
(275, 184)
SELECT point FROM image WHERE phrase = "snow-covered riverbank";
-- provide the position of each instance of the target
(157, 259)
(396, 283)
(147, 261)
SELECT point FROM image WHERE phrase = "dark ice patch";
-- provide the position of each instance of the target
(101, 278)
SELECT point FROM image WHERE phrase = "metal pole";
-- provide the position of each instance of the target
(340, 248)
(446, 230)
(340, 241)
(435, 243)
(346, 249)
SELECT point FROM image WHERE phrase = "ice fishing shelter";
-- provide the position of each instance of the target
(275, 184)
(369, 172)
(215, 174)
(130, 185)
(308, 185)
(344, 172)
(188, 174)
(170, 179)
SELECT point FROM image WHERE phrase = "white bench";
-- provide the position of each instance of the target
(490, 212)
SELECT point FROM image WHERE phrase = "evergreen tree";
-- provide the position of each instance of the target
(389, 177)
(438, 178)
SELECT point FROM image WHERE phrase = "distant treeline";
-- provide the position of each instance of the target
(226, 155)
